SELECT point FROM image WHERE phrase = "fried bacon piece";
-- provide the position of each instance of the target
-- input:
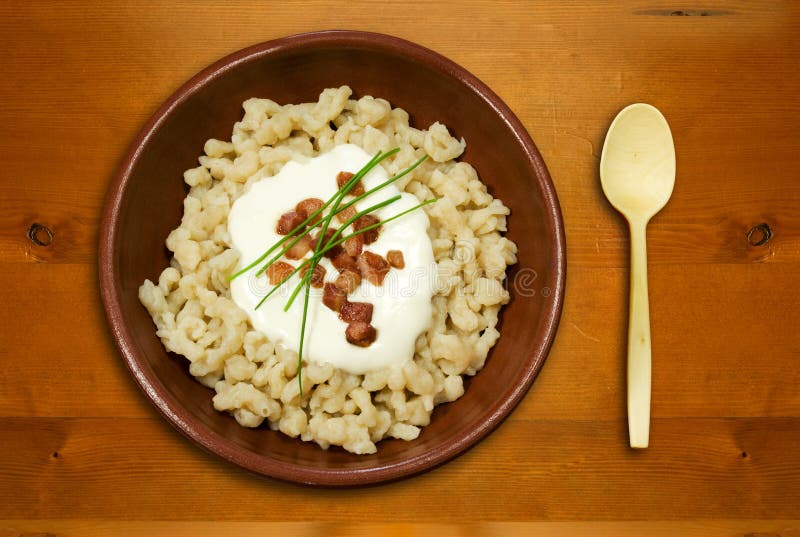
(333, 252)
(348, 281)
(395, 258)
(344, 262)
(343, 177)
(354, 245)
(361, 334)
(346, 214)
(308, 206)
(364, 221)
(372, 267)
(279, 271)
(356, 312)
(333, 297)
(288, 221)
(317, 276)
(301, 248)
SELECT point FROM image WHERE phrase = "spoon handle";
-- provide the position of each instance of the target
(639, 361)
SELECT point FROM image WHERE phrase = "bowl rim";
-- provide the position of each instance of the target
(179, 416)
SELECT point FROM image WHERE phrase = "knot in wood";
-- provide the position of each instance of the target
(40, 235)
(759, 235)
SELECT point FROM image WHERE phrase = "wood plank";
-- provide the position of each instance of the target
(761, 117)
(527, 470)
(212, 528)
(85, 454)
(720, 349)
(71, 217)
(56, 350)
(694, 228)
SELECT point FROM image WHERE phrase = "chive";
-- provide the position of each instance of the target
(296, 234)
(338, 233)
(278, 243)
(324, 250)
(363, 213)
(379, 156)
(307, 280)
(330, 244)
(343, 191)
(276, 287)
(326, 220)
(344, 207)
(385, 183)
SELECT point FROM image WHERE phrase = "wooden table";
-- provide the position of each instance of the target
(84, 453)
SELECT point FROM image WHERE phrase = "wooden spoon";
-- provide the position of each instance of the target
(637, 170)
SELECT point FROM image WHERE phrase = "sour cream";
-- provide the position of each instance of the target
(402, 307)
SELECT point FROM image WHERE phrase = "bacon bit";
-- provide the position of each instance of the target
(333, 252)
(279, 271)
(372, 267)
(308, 206)
(333, 297)
(346, 214)
(348, 281)
(364, 221)
(343, 177)
(303, 246)
(395, 258)
(360, 334)
(289, 221)
(317, 277)
(356, 312)
(344, 262)
(354, 245)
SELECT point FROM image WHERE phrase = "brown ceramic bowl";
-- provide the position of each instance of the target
(145, 202)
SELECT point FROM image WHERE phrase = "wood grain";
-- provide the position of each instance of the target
(692, 528)
(83, 452)
(703, 468)
(695, 358)
(565, 122)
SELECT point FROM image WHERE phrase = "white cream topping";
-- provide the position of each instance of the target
(402, 306)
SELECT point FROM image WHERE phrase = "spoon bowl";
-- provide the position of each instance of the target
(637, 167)
(637, 171)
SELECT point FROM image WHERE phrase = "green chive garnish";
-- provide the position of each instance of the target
(303, 229)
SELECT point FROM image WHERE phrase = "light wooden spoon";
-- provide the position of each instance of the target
(637, 170)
